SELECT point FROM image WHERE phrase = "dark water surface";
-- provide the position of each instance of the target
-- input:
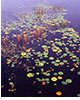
(23, 84)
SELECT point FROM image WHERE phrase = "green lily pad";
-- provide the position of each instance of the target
(78, 73)
(60, 73)
(64, 83)
(51, 58)
(69, 80)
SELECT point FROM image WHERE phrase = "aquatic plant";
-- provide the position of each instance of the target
(25, 38)
(41, 43)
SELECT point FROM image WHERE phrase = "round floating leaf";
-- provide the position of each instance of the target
(60, 77)
(41, 64)
(54, 79)
(60, 73)
(78, 94)
(47, 79)
(78, 72)
(55, 74)
(51, 58)
(37, 73)
(23, 53)
(57, 60)
(56, 64)
(44, 46)
(68, 80)
(61, 63)
(58, 93)
(30, 75)
(54, 50)
(64, 83)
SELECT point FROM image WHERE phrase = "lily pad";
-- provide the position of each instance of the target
(54, 79)
(69, 80)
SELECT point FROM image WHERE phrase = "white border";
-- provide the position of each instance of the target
(40, 98)
(28, 98)
(0, 48)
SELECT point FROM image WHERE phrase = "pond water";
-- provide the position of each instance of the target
(40, 47)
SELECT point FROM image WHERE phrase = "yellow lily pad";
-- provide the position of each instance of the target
(23, 53)
(30, 75)
(54, 79)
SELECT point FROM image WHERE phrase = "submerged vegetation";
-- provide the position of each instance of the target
(44, 44)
